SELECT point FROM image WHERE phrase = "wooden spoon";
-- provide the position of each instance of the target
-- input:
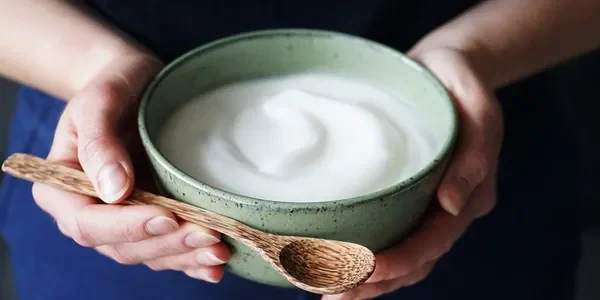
(315, 265)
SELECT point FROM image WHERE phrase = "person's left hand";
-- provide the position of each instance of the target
(467, 190)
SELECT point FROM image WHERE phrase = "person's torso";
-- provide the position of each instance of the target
(171, 28)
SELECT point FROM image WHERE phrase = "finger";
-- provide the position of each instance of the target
(420, 275)
(208, 274)
(91, 224)
(468, 168)
(186, 239)
(98, 112)
(434, 238)
(372, 290)
(480, 131)
(471, 162)
(214, 255)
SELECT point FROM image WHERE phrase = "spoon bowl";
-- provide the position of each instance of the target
(320, 265)
(315, 265)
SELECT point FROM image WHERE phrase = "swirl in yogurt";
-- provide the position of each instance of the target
(308, 137)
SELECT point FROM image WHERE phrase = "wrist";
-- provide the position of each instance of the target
(102, 58)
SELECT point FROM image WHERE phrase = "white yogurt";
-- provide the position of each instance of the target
(308, 137)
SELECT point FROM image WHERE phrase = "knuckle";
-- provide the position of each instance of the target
(123, 256)
(404, 271)
(120, 259)
(422, 275)
(410, 269)
(105, 250)
(155, 266)
(398, 271)
(170, 249)
(80, 234)
(177, 263)
(410, 266)
(385, 276)
(110, 90)
(183, 261)
(102, 94)
(93, 147)
(95, 98)
(417, 278)
(132, 232)
(81, 239)
(382, 272)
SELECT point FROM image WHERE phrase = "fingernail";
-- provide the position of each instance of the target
(203, 275)
(198, 239)
(161, 225)
(112, 181)
(208, 259)
(454, 203)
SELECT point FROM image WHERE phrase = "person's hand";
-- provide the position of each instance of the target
(467, 190)
(97, 133)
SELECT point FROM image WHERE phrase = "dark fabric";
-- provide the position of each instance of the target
(526, 249)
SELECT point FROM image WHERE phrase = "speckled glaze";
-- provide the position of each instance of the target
(377, 220)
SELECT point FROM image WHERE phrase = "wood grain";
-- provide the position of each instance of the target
(316, 265)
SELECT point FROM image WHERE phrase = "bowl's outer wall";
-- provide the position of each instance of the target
(376, 223)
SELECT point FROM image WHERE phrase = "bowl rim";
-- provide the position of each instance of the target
(399, 187)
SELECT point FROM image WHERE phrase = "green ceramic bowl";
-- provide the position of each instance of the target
(378, 220)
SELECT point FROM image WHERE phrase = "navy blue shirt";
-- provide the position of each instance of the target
(171, 28)
(525, 249)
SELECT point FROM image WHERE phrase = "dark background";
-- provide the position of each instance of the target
(7, 101)
(581, 83)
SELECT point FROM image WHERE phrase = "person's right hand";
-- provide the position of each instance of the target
(97, 133)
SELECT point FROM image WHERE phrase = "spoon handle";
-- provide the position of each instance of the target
(38, 170)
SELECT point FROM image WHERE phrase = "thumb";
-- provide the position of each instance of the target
(98, 112)
(481, 127)
(477, 148)
(467, 170)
